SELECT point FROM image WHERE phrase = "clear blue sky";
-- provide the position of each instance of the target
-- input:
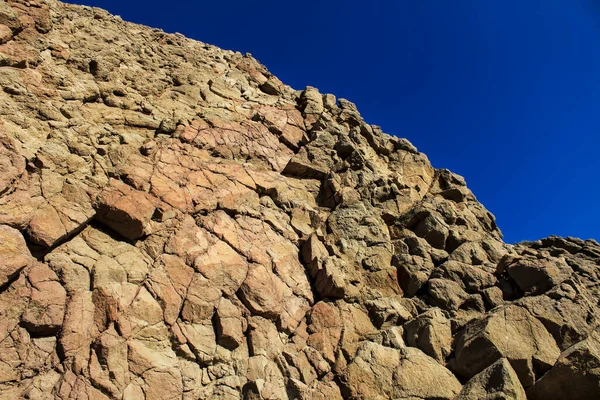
(505, 93)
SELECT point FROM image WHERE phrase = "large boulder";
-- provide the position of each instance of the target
(534, 275)
(432, 333)
(576, 374)
(125, 210)
(380, 372)
(498, 381)
(512, 333)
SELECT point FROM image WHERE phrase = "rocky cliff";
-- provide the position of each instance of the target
(176, 223)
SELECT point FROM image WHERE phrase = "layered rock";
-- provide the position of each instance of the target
(175, 222)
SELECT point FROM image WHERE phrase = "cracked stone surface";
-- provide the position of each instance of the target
(177, 223)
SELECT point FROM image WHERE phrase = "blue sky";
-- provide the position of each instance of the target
(505, 93)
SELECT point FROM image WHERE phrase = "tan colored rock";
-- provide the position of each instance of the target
(46, 227)
(575, 374)
(431, 332)
(14, 254)
(201, 300)
(322, 391)
(391, 311)
(264, 379)
(262, 291)
(413, 271)
(357, 327)
(499, 380)
(471, 278)
(109, 366)
(67, 211)
(226, 138)
(263, 338)
(450, 296)
(230, 324)
(125, 210)
(511, 333)
(9, 16)
(169, 282)
(78, 330)
(533, 275)
(12, 163)
(565, 312)
(381, 372)
(177, 223)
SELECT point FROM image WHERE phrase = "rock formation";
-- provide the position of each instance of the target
(176, 223)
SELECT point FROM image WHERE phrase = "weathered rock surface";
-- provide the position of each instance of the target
(177, 223)
(498, 381)
(576, 374)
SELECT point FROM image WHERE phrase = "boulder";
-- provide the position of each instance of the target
(177, 223)
(46, 309)
(431, 332)
(498, 381)
(512, 333)
(125, 210)
(534, 275)
(14, 254)
(383, 372)
(575, 375)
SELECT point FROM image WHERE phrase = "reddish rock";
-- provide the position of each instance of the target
(46, 310)
(14, 254)
(125, 210)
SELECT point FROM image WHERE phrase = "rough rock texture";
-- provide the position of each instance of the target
(498, 381)
(176, 223)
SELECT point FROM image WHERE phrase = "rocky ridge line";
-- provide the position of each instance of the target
(176, 223)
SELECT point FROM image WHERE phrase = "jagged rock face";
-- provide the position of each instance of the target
(175, 222)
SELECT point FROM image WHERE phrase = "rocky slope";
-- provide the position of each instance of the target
(176, 223)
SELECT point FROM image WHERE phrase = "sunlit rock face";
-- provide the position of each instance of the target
(177, 223)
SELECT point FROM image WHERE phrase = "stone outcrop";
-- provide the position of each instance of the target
(498, 381)
(177, 223)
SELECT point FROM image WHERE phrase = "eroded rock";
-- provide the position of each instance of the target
(511, 333)
(499, 380)
(381, 372)
(177, 223)
(125, 210)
